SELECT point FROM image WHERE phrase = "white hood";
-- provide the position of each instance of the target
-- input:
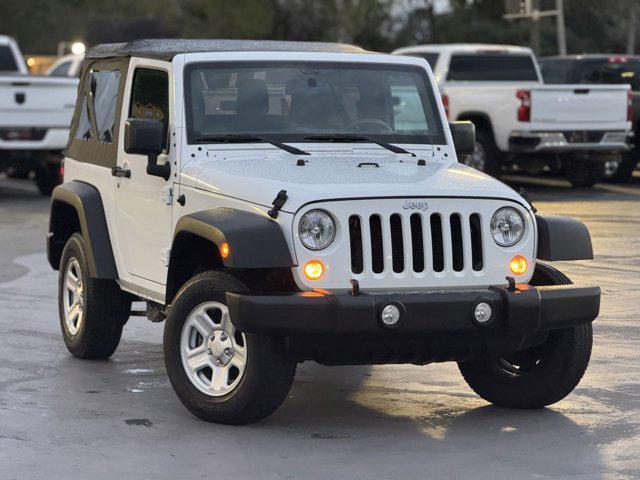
(257, 175)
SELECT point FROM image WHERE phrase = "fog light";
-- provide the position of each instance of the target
(518, 265)
(390, 315)
(314, 269)
(482, 312)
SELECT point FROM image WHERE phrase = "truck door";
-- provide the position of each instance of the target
(144, 202)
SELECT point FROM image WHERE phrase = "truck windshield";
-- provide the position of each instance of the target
(7, 61)
(301, 102)
(492, 67)
(611, 71)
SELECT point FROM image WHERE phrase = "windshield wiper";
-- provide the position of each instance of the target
(239, 138)
(347, 137)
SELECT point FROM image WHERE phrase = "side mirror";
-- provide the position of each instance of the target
(464, 137)
(145, 136)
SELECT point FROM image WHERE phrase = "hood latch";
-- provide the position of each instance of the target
(278, 203)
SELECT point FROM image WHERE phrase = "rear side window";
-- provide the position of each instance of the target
(430, 57)
(492, 67)
(61, 70)
(150, 96)
(7, 60)
(557, 71)
(83, 132)
(104, 91)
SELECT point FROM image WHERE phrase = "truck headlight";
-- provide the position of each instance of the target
(507, 226)
(316, 229)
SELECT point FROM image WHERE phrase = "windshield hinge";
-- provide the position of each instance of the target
(167, 195)
(278, 203)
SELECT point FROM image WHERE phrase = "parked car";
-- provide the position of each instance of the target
(596, 70)
(277, 202)
(35, 114)
(520, 120)
(67, 66)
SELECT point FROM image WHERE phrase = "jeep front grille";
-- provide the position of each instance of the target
(415, 242)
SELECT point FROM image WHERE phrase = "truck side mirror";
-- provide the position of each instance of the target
(464, 137)
(145, 136)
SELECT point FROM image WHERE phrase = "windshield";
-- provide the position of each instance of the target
(606, 71)
(290, 102)
(492, 67)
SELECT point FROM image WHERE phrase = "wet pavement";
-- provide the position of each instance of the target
(62, 418)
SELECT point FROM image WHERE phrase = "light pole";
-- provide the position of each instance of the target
(530, 10)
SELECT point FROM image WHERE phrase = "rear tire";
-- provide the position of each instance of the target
(200, 349)
(486, 157)
(540, 375)
(47, 178)
(584, 173)
(92, 312)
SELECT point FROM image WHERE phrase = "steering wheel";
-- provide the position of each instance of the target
(374, 125)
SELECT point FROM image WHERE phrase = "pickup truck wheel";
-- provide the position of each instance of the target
(540, 375)
(219, 373)
(625, 170)
(584, 173)
(47, 178)
(92, 312)
(486, 157)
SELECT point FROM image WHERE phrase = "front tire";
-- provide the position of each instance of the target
(584, 173)
(219, 373)
(538, 376)
(92, 312)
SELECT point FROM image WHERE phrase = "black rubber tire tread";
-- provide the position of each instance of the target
(495, 157)
(269, 372)
(565, 357)
(47, 178)
(584, 173)
(626, 168)
(106, 308)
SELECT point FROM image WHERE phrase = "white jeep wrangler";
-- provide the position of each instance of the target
(278, 202)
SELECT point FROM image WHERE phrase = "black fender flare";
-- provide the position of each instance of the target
(91, 221)
(562, 238)
(254, 240)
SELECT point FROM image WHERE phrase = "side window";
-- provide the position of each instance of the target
(104, 91)
(61, 70)
(83, 132)
(150, 96)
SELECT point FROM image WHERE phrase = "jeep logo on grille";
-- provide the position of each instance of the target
(415, 205)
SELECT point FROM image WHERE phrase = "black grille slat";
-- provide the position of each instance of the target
(437, 243)
(476, 242)
(417, 243)
(355, 237)
(457, 245)
(377, 249)
(397, 248)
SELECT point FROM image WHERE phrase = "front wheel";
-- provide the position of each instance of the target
(486, 157)
(584, 173)
(540, 375)
(219, 373)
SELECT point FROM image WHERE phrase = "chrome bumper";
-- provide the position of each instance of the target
(564, 142)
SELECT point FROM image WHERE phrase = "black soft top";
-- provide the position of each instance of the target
(166, 49)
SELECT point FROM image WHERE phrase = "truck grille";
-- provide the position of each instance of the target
(415, 242)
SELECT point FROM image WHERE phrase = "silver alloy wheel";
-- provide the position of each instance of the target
(213, 352)
(611, 168)
(73, 297)
(478, 159)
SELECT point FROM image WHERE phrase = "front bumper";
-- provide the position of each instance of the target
(525, 310)
(565, 142)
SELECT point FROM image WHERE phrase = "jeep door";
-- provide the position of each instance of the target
(143, 201)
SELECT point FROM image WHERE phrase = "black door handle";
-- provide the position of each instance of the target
(120, 172)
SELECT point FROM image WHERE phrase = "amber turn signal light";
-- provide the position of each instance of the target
(314, 269)
(518, 265)
(224, 250)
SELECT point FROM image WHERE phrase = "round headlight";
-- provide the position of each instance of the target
(316, 229)
(507, 226)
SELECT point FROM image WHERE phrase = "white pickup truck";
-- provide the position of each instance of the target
(574, 129)
(35, 114)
